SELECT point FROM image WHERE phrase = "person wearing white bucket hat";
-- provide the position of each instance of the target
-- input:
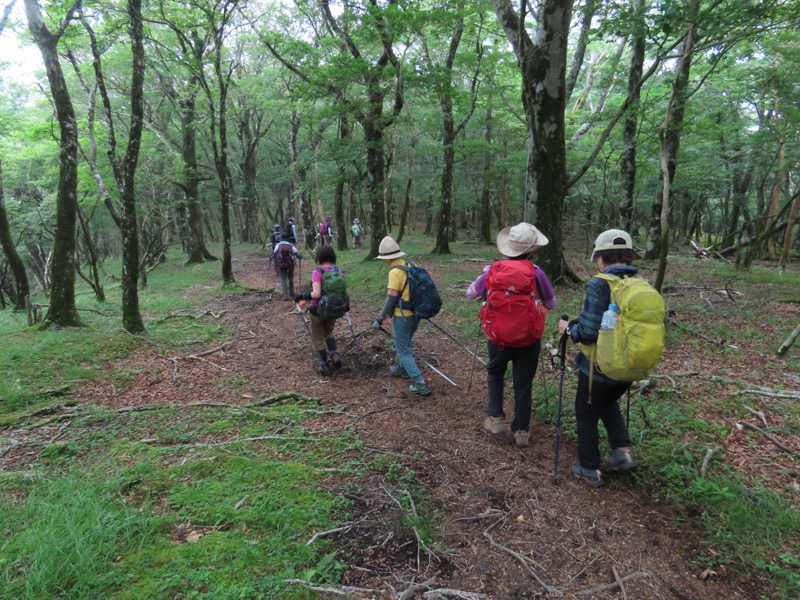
(404, 323)
(516, 294)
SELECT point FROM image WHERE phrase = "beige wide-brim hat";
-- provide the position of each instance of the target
(612, 239)
(389, 249)
(520, 239)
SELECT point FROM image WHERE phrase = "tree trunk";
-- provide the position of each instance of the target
(629, 135)
(543, 67)
(62, 309)
(589, 10)
(486, 189)
(787, 237)
(338, 192)
(669, 143)
(10, 252)
(131, 317)
(442, 245)
(407, 195)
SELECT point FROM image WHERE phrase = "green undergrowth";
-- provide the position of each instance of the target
(184, 513)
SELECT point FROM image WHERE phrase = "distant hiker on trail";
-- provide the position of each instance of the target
(597, 394)
(328, 302)
(284, 254)
(290, 231)
(404, 323)
(357, 233)
(325, 233)
(517, 295)
(275, 237)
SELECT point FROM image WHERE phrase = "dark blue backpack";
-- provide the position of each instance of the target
(425, 299)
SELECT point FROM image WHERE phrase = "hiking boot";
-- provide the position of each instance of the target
(621, 460)
(336, 359)
(494, 425)
(522, 438)
(420, 389)
(325, 367)
(398, 371)
(590, 476)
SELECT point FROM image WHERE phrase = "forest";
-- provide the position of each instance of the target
(165, 126)
(162, 431)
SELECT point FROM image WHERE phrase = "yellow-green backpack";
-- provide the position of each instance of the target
(634, 346)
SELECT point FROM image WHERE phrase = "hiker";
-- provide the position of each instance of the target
(325, 233)
(275, 237)
(516, 294)
(290, 231)
(284, 254)
(322, 299)
(404, 323)
(357, 233)
(596, 397)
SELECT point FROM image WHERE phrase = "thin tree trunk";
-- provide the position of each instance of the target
(787, 237)
(11, 254)
(630, 130)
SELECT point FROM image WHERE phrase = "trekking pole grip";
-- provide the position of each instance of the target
(562, 343)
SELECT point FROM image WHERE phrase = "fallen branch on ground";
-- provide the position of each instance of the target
(788, 342)
(454, 593)
(707, 460)
(740, 425)
(321, 534)
(523, 561)
(345, 590)
(416, 587)
(611, 586)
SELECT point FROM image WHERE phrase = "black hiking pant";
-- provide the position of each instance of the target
(524, 362)
(603, 407)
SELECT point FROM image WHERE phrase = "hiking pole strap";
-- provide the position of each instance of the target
(422, 360)
(474, 354)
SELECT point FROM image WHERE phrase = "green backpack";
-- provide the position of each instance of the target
(334, 302)
(634, 346)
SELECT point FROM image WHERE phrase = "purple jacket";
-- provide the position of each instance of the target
(477, 288)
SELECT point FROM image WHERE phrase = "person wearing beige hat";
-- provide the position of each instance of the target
(596, 399)
(404, 323)
(516, 292)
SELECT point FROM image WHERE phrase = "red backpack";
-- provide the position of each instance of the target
(284, 257)
(512, 315)
(323, 228)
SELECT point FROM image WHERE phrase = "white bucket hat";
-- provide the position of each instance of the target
(520, 239)
(612, 239)
(389, 249)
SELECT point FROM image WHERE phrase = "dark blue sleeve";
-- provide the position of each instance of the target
(598, 296)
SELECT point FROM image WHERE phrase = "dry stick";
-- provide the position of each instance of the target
(205, 361)
(611, 586)
(740, 425)
(788, 342)
(455, 593)
(345, 590)
(174, 362)
(416, 587)
(523, 561)
(347, 527)
(757, 413)
(619, 582)
(707, 460)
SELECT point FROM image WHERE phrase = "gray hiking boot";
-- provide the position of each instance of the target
(325, 368)
(494, 425)
(398, 371)
(522, 438)
(621, 460)
(420, 389)
(335, 359)
(590, 476)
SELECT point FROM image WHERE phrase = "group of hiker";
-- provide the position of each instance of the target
(620, 331)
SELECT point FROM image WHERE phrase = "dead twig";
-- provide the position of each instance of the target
(454, 593)
(523, 561)
(740, 425)
(619, 582)
(707, 460)
(416, 587)
(344, 590)
(321, 534)
(611, 586)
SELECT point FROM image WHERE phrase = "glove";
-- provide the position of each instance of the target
(377, 323)
(297, 298)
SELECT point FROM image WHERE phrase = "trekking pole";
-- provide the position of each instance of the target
(562, 349)
(307, 326)
(350, 323)
(628, 410)
(544, 379)
(474, 354)
(474, 358)
(422, 360)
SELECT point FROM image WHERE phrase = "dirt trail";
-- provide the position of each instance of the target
(494, 506)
